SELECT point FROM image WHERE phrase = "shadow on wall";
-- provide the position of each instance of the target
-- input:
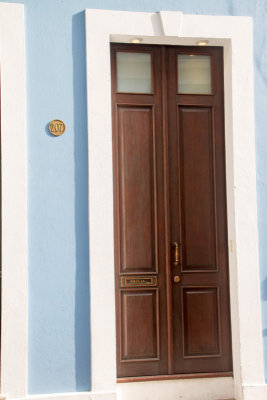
(82, 298)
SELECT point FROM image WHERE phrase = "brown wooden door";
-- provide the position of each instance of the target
(169, 186)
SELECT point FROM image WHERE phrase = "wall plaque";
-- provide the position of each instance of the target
(134, 281)
(57, 127)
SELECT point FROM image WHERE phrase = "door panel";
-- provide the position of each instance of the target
(201, 325)
(137, 188)
(197, 188)
(172, 302)
(140, 325)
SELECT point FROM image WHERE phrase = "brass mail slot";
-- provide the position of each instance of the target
(134, 281)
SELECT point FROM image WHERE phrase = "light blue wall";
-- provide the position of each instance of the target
(59, 329)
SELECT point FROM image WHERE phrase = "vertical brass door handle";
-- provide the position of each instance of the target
(175, 254)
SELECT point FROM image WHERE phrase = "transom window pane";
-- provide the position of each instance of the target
(194, 74)
(134, 72)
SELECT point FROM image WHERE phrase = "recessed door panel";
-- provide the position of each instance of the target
(140, 325)
(201, 325)
(197, 187)
(136, 142)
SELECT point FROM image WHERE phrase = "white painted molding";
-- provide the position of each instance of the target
(70, 396)
(14, 202)
(255, 392)
(234, 34)
(188, 389)
(171, 22)
(74, 396)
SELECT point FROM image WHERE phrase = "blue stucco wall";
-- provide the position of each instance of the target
(59, 329)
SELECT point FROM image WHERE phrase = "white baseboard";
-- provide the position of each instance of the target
(104, 396)
(184, 389)
(72, 396)
(255, 392)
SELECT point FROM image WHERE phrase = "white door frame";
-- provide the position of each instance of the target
(234, 34)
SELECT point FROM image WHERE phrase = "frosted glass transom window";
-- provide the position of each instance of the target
(194, 74)
(134, 72)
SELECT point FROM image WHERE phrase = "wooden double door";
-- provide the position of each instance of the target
(170, 221)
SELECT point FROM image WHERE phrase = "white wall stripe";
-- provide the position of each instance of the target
(14, 202)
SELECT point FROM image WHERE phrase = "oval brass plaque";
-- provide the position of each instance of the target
(57, 127)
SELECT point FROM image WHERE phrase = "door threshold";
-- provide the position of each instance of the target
(174, 376)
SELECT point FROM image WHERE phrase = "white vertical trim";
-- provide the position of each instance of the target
(14, 202)
(174, 28)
